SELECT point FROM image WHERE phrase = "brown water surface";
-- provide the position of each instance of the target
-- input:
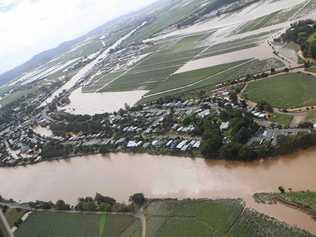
(119, 175)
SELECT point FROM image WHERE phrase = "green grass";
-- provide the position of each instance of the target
(208, 218)
(270, 19)
(186, 78)
(253, 224)
(258, 23)
(229, 49)
(189, 43)
(311, 117)
(208, 84)
(191, 218)
(65, 225)
(16, 96)
(143, 80)
(306, 199)
(293, 46)
(311, 38)
(13, 215)
(311, 69)
(167, 13)
(99, 81)
(152, 70)
(282, 119)
(284, 91)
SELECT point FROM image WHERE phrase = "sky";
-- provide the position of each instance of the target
(28, 27)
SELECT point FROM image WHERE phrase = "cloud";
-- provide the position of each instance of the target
(8, 5)
(28, 27)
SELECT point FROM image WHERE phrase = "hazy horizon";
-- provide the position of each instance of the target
(45, 24)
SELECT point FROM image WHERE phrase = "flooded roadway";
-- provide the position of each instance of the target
(120, 175)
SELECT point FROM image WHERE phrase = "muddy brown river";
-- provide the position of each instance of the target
(119, 175)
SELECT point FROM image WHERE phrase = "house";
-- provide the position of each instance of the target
(181, 144)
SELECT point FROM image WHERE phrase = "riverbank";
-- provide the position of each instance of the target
(165, 177)
(168, 216)
(303, 201)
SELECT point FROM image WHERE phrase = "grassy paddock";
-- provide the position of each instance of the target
(285, 91)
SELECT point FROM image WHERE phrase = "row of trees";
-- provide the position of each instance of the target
(98, 203)
(300, 33)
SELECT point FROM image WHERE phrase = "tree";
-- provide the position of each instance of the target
(104, 149)
(264, 106)
(61, 205)
(230, 151)
(233, 97)
(246, 153)
(281, 189)
(99, 198)
(212, 141)
(138, 199)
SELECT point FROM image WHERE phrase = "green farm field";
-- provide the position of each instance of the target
(207, 218)
(285, 91)
(65, 225)
(188, 83)
(306, 199)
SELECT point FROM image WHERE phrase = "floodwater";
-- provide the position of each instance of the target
(252, 12)
(119, 175)
(86, 69)
(98, 103)
(260, 52)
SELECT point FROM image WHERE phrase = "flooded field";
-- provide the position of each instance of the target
(260, 52)
(252, 12)
(87, 68)
(98, 103)
(120, 175)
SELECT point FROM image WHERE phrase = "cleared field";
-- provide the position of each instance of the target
(65, 225)
(284, 91)
(282, 119)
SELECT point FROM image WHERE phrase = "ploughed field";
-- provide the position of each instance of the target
(290, 90)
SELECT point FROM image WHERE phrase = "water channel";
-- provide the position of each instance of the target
(120, 175)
